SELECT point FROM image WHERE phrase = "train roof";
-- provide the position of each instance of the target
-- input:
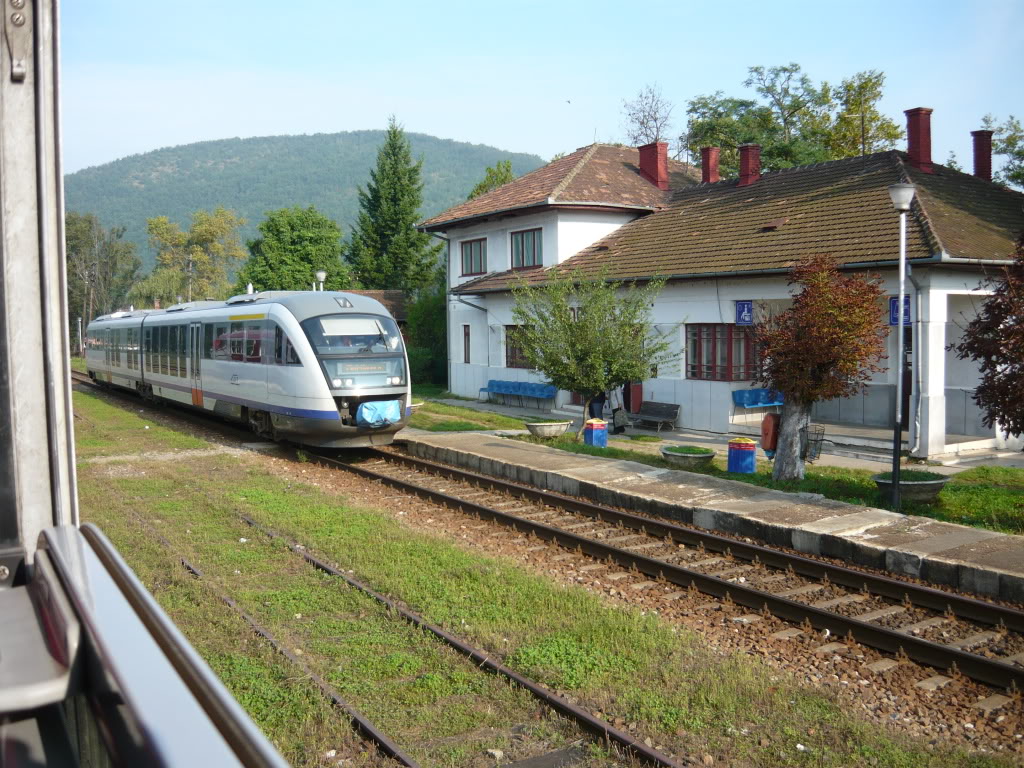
(302, 304)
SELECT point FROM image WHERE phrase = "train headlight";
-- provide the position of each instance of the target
(350, 382)
(336, 383)
(395, 380)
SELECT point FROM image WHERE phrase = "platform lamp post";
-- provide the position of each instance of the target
(321, 276)
(902, 195)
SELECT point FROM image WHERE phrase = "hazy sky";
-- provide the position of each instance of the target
(540, 77)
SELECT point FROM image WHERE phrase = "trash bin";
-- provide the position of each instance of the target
(742, 455)
(595, 432)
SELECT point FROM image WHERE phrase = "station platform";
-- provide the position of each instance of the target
(970, 559)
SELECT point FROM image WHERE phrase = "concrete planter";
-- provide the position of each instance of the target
(548, 428)
(691, 461)
(923, 491)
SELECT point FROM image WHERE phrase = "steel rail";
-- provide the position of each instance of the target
(979, 668)
(363, 725)
(598, 727)
(962, 606)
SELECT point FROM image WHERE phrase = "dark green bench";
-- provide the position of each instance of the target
(656, 414)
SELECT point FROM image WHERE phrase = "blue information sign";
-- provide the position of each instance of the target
(744, 313)
(894, 310)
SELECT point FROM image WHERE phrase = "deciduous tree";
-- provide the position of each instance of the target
(1008, 140)
(192, 264)
(588, 335)
(995, 340)
(798, 123)
(494, 177)
(825, 345)
(386, 250)
(294, 244)
(648, 116)
(102, 267)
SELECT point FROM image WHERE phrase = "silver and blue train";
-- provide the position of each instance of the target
(318, 368)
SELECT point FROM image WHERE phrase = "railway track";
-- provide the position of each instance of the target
(952, 633)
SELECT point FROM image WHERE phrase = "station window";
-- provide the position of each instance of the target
(526, 249)
(474, 257)
(514, 357)
(719, 352)
(465, 343)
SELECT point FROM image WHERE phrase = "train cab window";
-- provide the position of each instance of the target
(208, 340)
(253, 341)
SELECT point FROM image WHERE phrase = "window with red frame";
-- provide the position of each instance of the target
(474, 257)
(526, 249)
(513, 352)
(719, 352)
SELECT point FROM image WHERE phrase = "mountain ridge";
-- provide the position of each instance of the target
(254, 175)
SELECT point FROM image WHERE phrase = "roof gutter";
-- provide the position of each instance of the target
(546, 203)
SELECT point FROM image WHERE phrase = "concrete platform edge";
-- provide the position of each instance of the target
(872, 538)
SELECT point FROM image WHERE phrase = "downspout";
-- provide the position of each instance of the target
(916, 361)
(447, 312)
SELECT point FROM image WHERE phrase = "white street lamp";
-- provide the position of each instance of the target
(902, 195)
(321, 276)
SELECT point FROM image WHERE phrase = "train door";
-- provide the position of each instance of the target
(195, 350)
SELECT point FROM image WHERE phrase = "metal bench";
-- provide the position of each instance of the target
(658, 414)
(756, 398)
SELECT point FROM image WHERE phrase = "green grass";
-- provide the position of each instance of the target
(417, 690)
(690, 450)
(441, 417)
(78, 364)
(645, 438)
(105, 429)
(984, 497)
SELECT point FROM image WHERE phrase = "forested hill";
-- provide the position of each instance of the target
(253, 176)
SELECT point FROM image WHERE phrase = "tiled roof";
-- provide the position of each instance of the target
(600, 174)
(840, 207)
(394, 301)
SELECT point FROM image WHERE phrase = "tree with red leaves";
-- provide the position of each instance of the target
(995, 340)
(826, 345)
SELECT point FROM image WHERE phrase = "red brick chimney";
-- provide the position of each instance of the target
(156, 303)
(750, 164)
(919, 138)
(983, 154)
(654, 163)
(709, 164)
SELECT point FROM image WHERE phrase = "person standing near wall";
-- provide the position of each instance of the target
(597, 406)
(619, 419)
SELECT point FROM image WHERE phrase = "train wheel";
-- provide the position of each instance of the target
(261, 424)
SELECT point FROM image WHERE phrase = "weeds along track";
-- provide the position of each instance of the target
(953, 633)
(360, 723)
(558, 739)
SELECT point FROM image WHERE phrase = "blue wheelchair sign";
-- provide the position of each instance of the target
(744, 313)
(894, 310)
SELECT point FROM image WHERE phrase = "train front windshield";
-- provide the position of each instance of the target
(358, 351)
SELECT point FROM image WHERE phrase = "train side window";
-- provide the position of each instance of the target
(164, 333)
(130, 349)
(147, 349)
(182, 347)
(237, 339)
(208, 340)
(284, 352)
(253, 341)
(291, 357)
(172, 349)
(221, 342)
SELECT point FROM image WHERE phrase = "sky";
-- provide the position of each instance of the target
(538, 77)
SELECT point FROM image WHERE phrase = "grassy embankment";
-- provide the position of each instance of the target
(986, 497)
(618, 661)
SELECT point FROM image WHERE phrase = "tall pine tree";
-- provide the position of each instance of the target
(386, 250)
